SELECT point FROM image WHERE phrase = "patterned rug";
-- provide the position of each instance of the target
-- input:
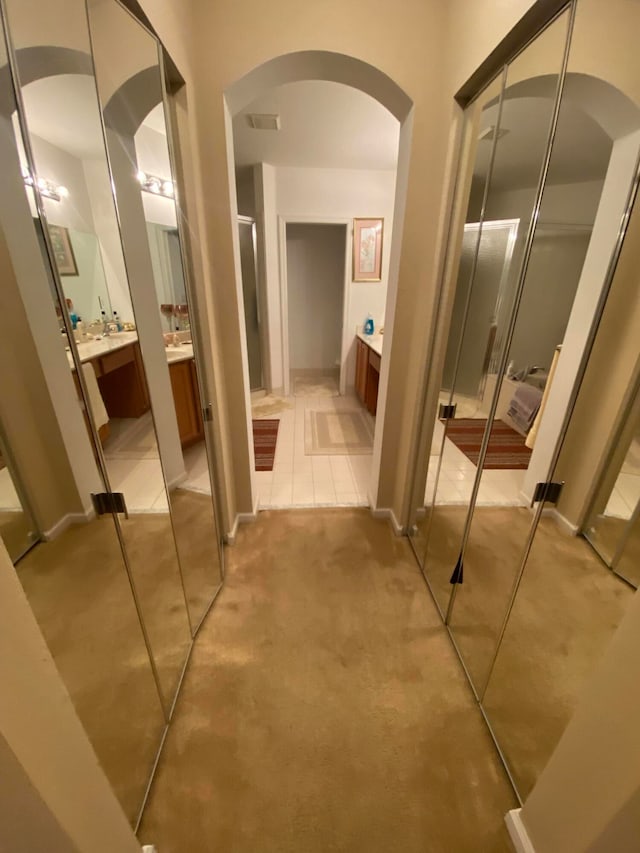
(265, 437)
(331, 433)
(506, 449)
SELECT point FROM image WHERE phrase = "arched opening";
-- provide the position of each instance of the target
(274, 221)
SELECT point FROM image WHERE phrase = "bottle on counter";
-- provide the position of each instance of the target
(81, 334)
(117, 321)
(369, 325)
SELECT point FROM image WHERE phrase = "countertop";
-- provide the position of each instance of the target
(374, 342)
(88, 350)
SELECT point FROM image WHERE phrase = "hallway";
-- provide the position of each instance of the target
(324, 707)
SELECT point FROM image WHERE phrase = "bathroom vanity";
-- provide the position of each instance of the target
(117, 363)
(368, 359)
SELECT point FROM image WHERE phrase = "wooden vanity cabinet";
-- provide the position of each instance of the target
(362, 367)
(186, 398)
(367, 376)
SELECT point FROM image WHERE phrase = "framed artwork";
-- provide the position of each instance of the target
(63, 250)
(367, 249)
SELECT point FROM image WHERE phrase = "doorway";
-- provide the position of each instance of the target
(315, 283)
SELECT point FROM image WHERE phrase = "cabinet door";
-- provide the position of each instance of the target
(188, 416)
(362, 362)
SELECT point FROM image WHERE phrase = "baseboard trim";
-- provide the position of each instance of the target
(562, 521)
(66, 521)
(388, 513)
(241, 518)
(518, 832)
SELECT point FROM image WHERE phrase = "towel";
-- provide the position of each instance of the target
(96, 403)
(524, 406)
(531, 437)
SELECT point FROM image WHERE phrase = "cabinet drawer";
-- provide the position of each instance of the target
(374, 360)
(118, 358)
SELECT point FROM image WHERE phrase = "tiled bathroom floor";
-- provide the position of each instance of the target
(300, 480)
(457, 474)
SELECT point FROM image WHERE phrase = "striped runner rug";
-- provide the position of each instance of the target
(265, 437)
(506, 447)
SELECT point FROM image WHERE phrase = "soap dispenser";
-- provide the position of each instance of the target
(368, 325)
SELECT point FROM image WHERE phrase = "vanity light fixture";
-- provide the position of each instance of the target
(155, 185)
(47, 188)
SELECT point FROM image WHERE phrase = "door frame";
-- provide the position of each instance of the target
(283, 221)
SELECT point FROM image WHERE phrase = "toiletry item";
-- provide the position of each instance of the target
(74, 320)
(368, 325)
(116, 320)
(105, 323)
(80, 329)
(176, 338)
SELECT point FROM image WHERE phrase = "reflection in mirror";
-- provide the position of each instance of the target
(440, 523)
(131, 94)
(66, 140)
(17, 527)
(75, 578)
(565, 604)
(613, 527)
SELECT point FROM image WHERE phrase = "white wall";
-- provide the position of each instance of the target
(592, 282)
(315, 294)
(336, 194)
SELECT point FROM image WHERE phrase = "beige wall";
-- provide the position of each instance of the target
(587, 797)
(46, 760)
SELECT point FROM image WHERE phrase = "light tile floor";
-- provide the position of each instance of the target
(457, 474)
(298, 480)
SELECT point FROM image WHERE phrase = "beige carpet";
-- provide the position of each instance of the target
(324, 708)
(568, 606)
(337, 433)
(80, 595)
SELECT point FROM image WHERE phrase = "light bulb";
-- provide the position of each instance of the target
(142, 177)
(42, 184)
(63, 192)
(154, 186)
(167, 187)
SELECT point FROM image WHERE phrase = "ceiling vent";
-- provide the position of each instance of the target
(490, 133)
(263, 121)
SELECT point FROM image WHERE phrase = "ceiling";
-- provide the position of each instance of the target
(323, 125)
(581, 148)
(63, 110)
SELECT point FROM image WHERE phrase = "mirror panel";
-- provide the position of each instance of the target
(69, 165)
(517, 126)
(441, 520)
(137, 135)
(75, 578)
(565, 602)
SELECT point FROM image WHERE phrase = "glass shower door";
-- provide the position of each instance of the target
(248, 263)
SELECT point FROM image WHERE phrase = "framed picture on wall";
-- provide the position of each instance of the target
(63, 250)
(367, 249)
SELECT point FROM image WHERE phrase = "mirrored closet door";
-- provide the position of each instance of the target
(96, 430)
(134, 109)
(539, 365)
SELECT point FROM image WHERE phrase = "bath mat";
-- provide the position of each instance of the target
(269, 405)
(331, 433)
(265, 437)
(315, 386)
(506, 449)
